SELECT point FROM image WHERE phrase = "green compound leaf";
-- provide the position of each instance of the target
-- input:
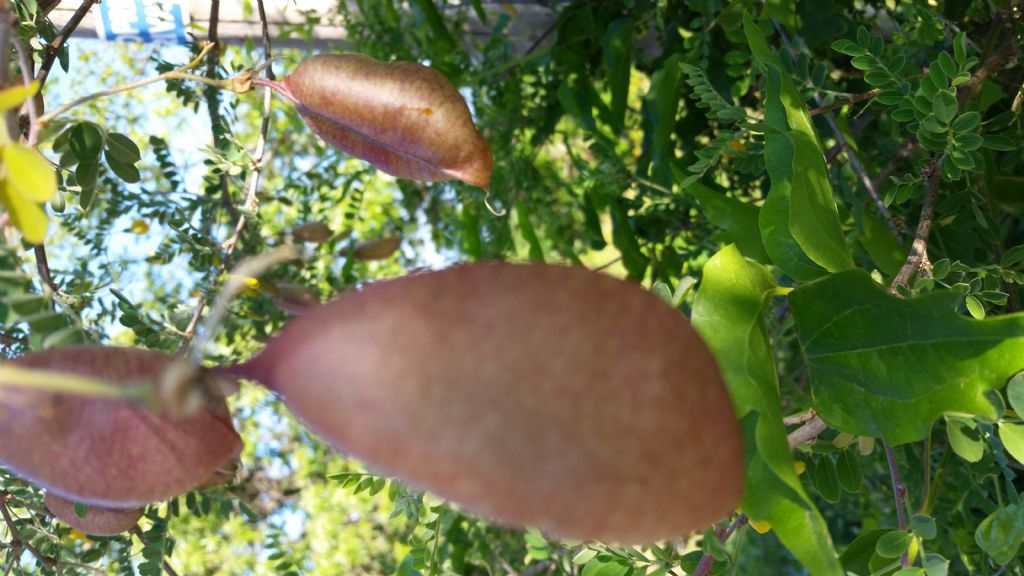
(727, 313)
(885, 366)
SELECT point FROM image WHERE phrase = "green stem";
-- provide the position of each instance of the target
(63, 382)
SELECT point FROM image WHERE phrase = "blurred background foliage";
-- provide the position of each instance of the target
(628, 137)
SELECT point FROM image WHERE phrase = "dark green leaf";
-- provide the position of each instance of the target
(86, 141)
(826, 480)
(1012, 256)
(127, 172)
(529, 234)
(949, 67)
(966, 122)
(86, 176)
(999, 142)
(122, 148)
(624, 238)
(849, 471)
(858, 554)
(885, 366)
(737, 219)
(618, 56)
(848, 47)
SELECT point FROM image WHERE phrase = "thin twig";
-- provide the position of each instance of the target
(252, 194)
(58, 42)
(917, 259)
(43, 266)
(799, 418)
(845, 101)
(177, 74)
(16, 540)
(807, 433)
(25, 63)
(889, 168)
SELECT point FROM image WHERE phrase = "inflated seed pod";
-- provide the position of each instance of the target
(104, 451)
(536, 395)
(404, 118)
(97, 521)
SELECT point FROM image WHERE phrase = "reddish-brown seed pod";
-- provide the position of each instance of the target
(537, 395)
(109, 452)
(404, 118)
(97, 521)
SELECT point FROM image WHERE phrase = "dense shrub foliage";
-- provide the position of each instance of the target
(830, 191)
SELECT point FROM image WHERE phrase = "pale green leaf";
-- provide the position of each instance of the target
(29, 174)
(1012, 436)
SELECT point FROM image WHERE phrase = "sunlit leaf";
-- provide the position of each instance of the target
(887, 366)
(13, 97)
(28, 216)
(728, 315)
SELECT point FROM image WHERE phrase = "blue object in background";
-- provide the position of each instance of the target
(143, 20)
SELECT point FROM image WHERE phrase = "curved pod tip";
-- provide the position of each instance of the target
(537, 395)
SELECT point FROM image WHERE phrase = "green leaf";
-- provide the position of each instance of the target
(1012, 436)
(86, 141)
(893, 544)
(886, 253)
(960, 48)
(924, 526)
(529, 234)
(662, 102)
(935, 565)
(86, 175)
(974, 307)
(1015, 393)
(1012, 256)
(800, 226)
(858, 554)
(624, 239)
(1000, 534)
(849, 471)
(848, 47)
(885, 366)
(944, 106)
(814, 219)
(964, 438)
(584, 556)
(435, 21)
(728, 314)
(999, 142)
(967, 122)
(127, 172)
(912, 571)
(122, 148)
(826, 480)
(606, 565)
(949, 68)
(618, 59)
(738, 220)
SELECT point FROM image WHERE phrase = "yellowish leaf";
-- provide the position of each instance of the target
(29, 173)
(761, 527)
(26, 215)
(843, 440)
(799, 467)
(15, 95)
(865, 445)
(139, 227)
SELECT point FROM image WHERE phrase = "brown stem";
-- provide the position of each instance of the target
(807, 433)
(917, 259)
(58, 42)
(44, 560)
(43, 266)
(891, 166)
(899, 490)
